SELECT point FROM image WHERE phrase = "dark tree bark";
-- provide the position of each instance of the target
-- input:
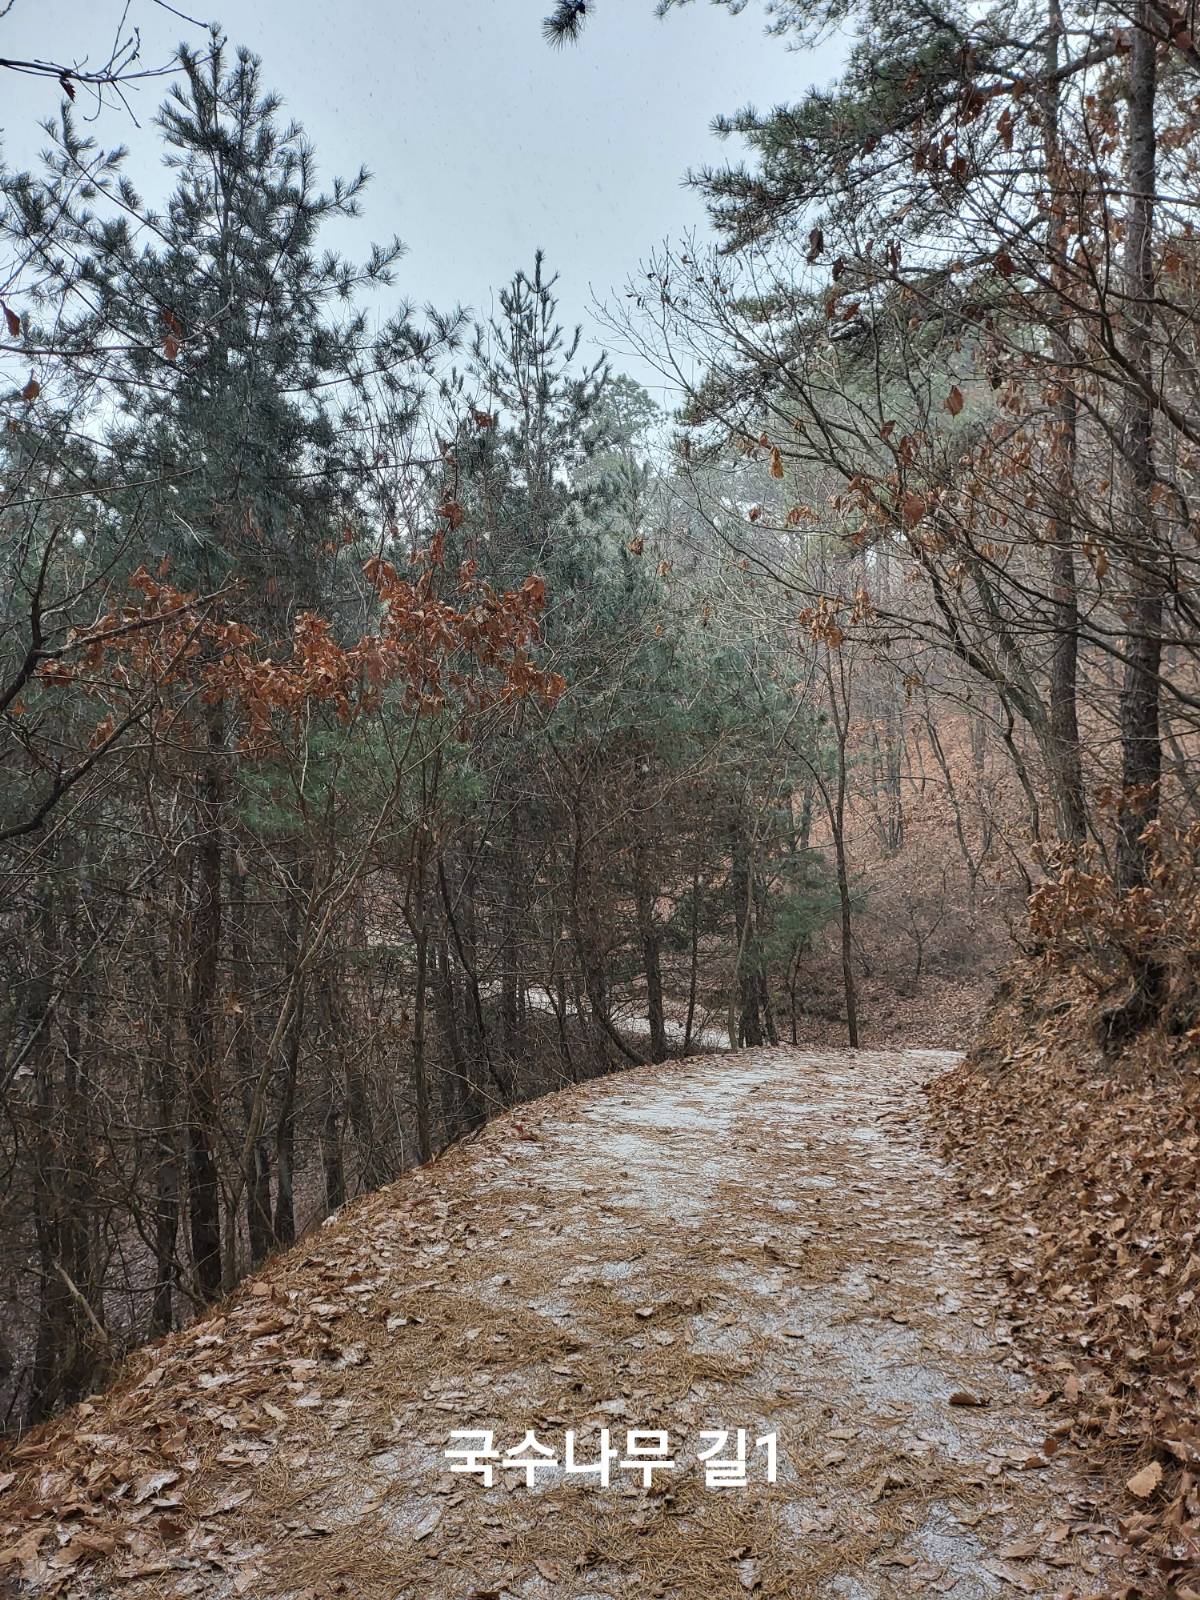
(203, 1065)
(1064, 660)
(748, 1026)
(1141, 735)
(1141, 743)
(166, 1151)
(257, 1177)
(693, 955)
(332, 1161)
(418, 1067)
(461, 1103)
(283, 1224)
(836, 804)
(651, 942)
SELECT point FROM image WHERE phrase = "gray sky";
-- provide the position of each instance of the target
(484, 142)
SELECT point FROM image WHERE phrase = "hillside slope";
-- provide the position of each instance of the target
(1087, 1168)
(757, 1241)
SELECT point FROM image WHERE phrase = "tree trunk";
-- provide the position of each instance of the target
(284, 1221)
(837, 822)
(1067, 774)
(166, 1155)
(1141, 740)
(257, 1177)
(462, 1106)
(203, 1067)
(693, 956)
(332, 1162)
(1141, 745)
(651, 943)
(746, 1026)
(418, 1076)
(331, 1150)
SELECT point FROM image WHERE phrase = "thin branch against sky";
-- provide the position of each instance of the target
(484, 144)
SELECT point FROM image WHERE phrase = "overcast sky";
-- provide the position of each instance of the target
(485, 143)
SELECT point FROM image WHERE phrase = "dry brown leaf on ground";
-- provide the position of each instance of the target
(1146, 1481)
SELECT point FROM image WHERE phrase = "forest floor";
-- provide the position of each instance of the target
(756, 1240)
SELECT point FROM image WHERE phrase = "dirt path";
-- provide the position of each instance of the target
(756, 1240)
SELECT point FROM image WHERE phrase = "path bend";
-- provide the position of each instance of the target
(759, 1239)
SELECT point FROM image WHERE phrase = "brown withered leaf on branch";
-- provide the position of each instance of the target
(913, 507)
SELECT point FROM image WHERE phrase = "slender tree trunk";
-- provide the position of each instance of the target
(510, 950)
(203, 1074)
(584, 928)
(837, 820)
(745, 1026)
(843, 886)
(465, 945)
(54, 1340)
(284, 1220)
(257, 1177)
(331, 1149)
(418, 1075)
(1141, 745)
(461, 1105)
(793, 984)
(1064, 661)
(651, 943)
(1141, 738)
(166, 1155)
(332, 1160)
(694, 956)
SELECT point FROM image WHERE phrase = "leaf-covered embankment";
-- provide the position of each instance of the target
(1090, 1170)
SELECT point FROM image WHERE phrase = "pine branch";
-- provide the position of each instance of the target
(565, 23)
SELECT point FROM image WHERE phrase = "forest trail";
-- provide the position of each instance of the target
(757, 1240)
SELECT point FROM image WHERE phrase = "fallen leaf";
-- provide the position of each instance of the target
(153, 1484)
(1145, 1482)
(427, 1523)
(1019, 1552)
